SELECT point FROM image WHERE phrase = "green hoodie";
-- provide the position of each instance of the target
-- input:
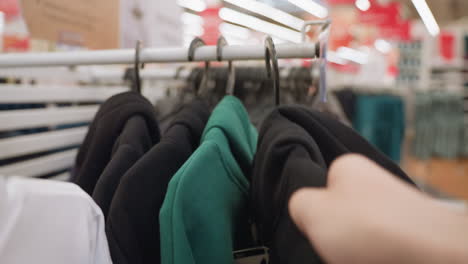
(204, 216)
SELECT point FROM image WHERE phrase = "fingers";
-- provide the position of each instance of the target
(356, 170)
(306, 204)
(309, 204)
(349, 173)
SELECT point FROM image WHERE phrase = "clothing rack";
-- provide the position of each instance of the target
(152, 74)
(67, 140)
(156, 55)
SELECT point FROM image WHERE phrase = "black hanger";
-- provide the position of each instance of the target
(178, 71)
(136, 67)
(132, 74)
(271, 60)
(231, 80)
(196, 43)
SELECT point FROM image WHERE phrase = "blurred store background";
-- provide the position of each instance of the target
(397, 67)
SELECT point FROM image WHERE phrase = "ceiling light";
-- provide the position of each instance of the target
(233, 40)
(195, 5)
(333, 57)
(234, 31)
(269, 11)
(363, 5)
(311, 6)
(353, 55)
(259, 25)
(427, 17)
(189, 18)
(383, 46)
(194, 30)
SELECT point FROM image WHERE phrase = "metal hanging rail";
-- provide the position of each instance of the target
(154, 55)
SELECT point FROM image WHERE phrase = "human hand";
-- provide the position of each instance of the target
(367, 215)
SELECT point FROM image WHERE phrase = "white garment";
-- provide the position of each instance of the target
(50, 222)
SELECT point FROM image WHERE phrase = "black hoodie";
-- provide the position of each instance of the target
(102, 139)
(296, 147)
(132, 227)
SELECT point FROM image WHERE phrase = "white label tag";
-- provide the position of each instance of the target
(257, 255)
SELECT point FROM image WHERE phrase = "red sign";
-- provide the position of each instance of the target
(387, 18)
(15, 44)
(343, 20)
(211, 25)
(9, 7)
(447, 46)
(381, 14)
(399, 31)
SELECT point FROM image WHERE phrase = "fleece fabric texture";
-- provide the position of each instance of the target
(96, 151)
(132, 227)
(130, 146)
(296, 147)
(204, 216)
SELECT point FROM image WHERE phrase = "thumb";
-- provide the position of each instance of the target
(354, 173)
(306, 207)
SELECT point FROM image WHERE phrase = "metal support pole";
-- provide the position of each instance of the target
(153, 55)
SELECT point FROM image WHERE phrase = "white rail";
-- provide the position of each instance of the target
(41, 166)
(32, 118)
(11, 94)
(30, 144)
(154, 55)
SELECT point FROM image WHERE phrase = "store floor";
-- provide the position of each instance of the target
(447, 176)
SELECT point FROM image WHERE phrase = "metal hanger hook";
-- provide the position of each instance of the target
(178, 72)
(322, 35)
(219, 47)
(324, 24)
(137, 67)
(271, 60)
(231, 71)
(196, 43)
